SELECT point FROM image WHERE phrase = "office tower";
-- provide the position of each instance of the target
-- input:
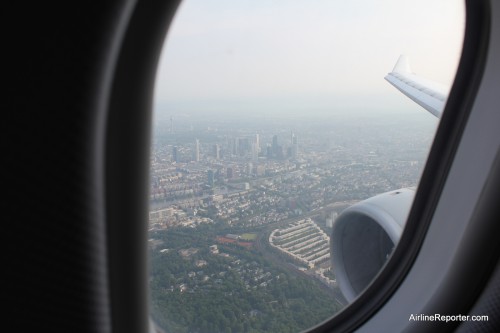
(295, 147)
(255, 152)
(175, 154)
(244, 146)
(275, 145)
(216, 152)
(280, 153)
(269, 151)
(196, 153)
(234, 146)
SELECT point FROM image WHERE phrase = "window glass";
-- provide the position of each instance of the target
(271, 119)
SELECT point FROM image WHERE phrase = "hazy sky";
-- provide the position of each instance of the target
(303, 55)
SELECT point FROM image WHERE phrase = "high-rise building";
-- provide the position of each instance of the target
(175, 154)
(216, 151)
(269, 151)
(196, 153)
(234, 146)
(244, 146)
(257, 142)
(275, 145)
(255, 152)
(229, 173)
(295, 147)
(280, 154)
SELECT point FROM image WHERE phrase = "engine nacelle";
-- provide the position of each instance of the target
(364, 236)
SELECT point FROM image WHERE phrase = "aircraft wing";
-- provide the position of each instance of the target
(428, 94)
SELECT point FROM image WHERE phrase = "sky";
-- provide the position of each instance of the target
(300, 56)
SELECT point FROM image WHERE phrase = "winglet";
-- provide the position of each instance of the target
(403, 65)
(428, 94)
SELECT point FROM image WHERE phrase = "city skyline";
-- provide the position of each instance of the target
(270, 120)
(224, 221)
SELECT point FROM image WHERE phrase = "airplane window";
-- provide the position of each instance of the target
(283, 165)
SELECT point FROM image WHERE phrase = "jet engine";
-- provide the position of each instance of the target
(364, 236)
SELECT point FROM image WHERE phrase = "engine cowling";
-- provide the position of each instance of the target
(364, 236)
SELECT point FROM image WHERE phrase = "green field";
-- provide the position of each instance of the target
(248, 237)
